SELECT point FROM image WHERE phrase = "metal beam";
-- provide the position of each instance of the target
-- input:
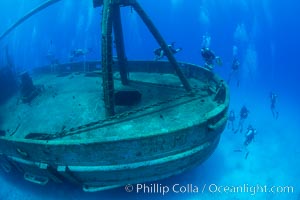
(162, 43)
(28, 15)
(118, 33)
(107, 61)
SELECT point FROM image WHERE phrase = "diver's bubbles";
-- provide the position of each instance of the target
(234, 51)
(267, 11)
(80, 23)
(34, 32)
(249, 66)
(243, 4)
(206, 40)
(64, 15)
(273, 64)
(90, 15)
(204, 17)
(176, 4)
(240, 34)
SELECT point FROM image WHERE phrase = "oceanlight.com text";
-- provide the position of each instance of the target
(251, 189)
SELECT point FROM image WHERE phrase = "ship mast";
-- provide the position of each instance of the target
(111, 19)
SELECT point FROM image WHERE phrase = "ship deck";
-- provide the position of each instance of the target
(71, 105)
(63, 133)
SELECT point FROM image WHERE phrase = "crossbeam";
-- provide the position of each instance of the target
(111, 18)
(28, 15)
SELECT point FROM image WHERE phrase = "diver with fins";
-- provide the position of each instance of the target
(234, 71)
(160, 53)
(208, 55)
(243, 116)
(77, 53)
(209, 58)
(249, 138)
(231, 120)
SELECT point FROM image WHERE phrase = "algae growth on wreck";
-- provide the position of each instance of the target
(128, 99)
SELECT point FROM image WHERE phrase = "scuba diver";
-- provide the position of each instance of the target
(209, 58)
(159, 52)
(235, 64)
(273, 98)
(231, 120)
(243, 116)
(207, 54)
(234, 70)
(249, 138)
(76, 53)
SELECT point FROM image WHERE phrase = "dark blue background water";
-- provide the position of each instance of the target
(266, 34)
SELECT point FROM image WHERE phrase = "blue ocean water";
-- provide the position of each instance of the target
(264, 36)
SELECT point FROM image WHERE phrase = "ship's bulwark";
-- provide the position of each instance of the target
(151, 144)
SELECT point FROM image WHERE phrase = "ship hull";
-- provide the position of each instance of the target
(104, 163)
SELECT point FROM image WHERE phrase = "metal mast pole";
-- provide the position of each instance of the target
(107, 61)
